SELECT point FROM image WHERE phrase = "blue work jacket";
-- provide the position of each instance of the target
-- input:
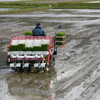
(38, 31)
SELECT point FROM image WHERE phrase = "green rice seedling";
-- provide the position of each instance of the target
(44, 47)
(13, 48)
(28, 48)
(60, 39)
(60, 34)
(59, 44)
(28, 33)
(21, 47)
(36, 48)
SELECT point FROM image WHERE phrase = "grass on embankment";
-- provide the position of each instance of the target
(77, 5)
(20, 7)
(23, 10)
(25, 7)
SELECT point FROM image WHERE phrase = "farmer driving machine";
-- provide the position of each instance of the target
(33, 53)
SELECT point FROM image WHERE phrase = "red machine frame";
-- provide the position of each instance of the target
(32, 38)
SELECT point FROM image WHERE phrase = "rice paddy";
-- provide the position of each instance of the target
(24, 6)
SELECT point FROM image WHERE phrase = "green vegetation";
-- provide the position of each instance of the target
(60, 34)
(20, 7)
(76, 5)
(60, 44)
(37, 0)
(21, 47)
(37, 48)
(44, 47)
(23, 6)
(13, 48)
(60, 39)
(28, 33)
(28, 49)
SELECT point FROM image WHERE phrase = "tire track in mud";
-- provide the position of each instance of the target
(75, 80)
(77, 49)
(90, 90)
(89, 84)
(89, 58)
(85, 90)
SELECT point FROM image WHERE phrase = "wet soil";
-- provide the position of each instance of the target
(76, 74)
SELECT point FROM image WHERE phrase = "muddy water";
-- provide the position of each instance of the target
(76, 75)
(24, 86)
(94, 2)
(5, 9)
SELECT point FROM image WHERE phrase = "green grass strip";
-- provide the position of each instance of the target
(22, 5)
(26, 7)
(76, 6)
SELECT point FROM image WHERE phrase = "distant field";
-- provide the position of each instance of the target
(60, 0)
(26, 5)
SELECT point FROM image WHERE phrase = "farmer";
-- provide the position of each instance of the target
(38, 31)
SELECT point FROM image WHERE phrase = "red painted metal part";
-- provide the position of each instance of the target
(60, 36)
(60, 41)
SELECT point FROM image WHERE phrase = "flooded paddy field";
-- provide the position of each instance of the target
(76, 74)
(94, 2)
(5, 9)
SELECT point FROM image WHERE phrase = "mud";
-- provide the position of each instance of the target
(76, 74)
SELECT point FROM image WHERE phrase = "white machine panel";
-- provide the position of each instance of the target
(26, 65)
(18, 65)
(42, 65)
(36, 65)
(12, 65)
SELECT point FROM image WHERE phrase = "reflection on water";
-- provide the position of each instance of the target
(5, 9)
(94, 2)
(4, 92)
(49, 15)
(25, 86)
